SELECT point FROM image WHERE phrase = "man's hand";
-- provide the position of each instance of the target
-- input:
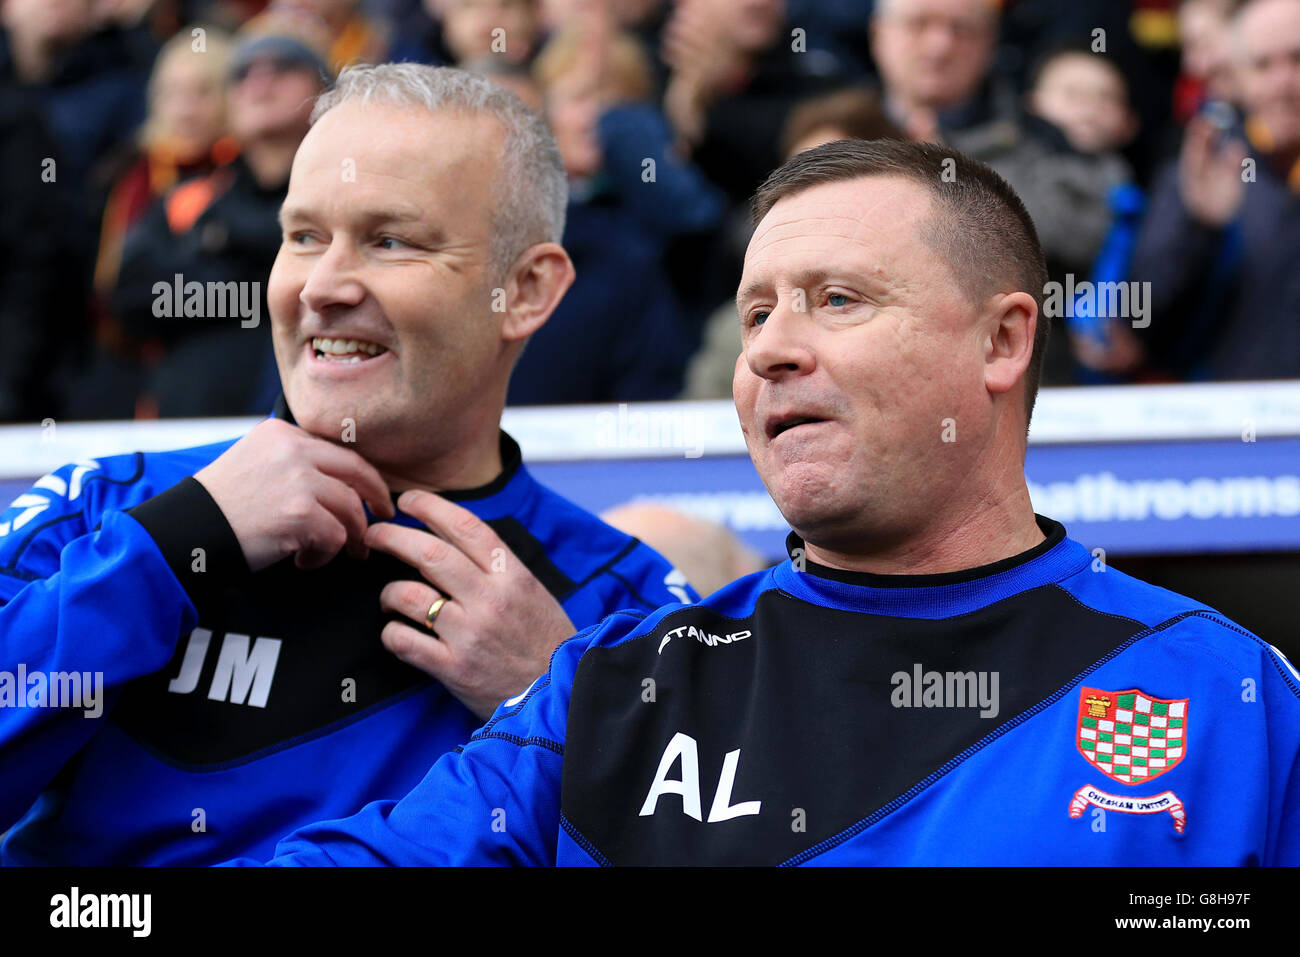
(1209, 174)
(697, 47)
(1121, 354)
(286, 492)
(496, 632)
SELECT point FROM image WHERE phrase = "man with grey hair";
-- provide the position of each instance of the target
(261, 640)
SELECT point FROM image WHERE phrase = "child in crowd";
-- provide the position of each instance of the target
(1079, 109)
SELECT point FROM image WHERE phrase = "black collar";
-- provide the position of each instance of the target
(1054, 531)
(511, 461)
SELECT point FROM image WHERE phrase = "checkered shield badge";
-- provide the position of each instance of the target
(1129, 736)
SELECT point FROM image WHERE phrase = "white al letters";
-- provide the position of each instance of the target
(683, 746)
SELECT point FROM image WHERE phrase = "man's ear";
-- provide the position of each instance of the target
(1011, 321)
(534, 287)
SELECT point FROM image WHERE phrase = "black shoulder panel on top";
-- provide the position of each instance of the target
(183, 517)
(266, 665)
(529, 550)
(797, 708)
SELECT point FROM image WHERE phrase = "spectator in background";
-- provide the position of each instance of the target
(619, 334)
(515, 77)
(460, 31)
(708, 554)
(508, 28)
(1222, 236)
(644, 20)
(1084, 95)
(184, 135)
(851, 114)
(1140, 35)
(38, 304)
(833, 31)
(1207, 73)
(90, 83)
(1081, 116)
(218, 228)
(935, 59)
(559, 15)
(598, 83)
(735, 77)
(72, 92)
(353, 36)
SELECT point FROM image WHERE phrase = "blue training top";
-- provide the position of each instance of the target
(1043, 710)
(235, 707)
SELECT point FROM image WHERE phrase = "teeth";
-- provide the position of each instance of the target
(343, 347)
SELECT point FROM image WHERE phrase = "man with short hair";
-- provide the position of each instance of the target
(938, 675)
(934, 58)
(420, 251)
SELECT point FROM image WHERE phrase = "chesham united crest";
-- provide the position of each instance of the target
(1129, 736)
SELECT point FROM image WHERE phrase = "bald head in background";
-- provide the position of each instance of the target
(708, 554)
(1266, 50)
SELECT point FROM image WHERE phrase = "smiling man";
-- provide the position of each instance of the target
(937, 676)
(231, 599)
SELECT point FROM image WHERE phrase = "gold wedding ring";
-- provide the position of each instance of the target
(432, 614)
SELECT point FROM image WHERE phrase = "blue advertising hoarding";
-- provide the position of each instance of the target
(1134, 470)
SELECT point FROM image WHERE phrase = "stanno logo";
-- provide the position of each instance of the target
(702, 636)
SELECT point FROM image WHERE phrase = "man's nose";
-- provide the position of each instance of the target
(939, 37)
(333, 279)
(782, 346)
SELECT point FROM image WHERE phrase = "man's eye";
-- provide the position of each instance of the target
(758, 318)
(390, 242)
(299, 238)
(837, 299)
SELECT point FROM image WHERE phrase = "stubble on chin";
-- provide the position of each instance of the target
(819, 497)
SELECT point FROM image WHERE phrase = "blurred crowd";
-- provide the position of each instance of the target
(143, 142)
